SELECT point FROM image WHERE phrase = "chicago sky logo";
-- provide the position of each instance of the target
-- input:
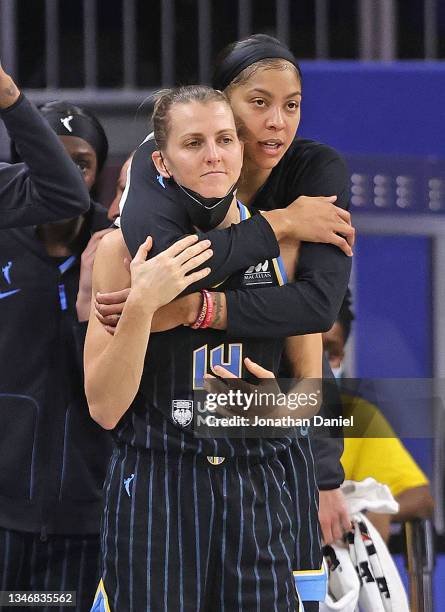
(127, 483)
(259, 274)
(6, 271)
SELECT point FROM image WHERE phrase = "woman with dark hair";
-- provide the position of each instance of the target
(54, 457)
(263, 82)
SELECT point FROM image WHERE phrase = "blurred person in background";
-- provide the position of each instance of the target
(378, 452)
(46, 186)
(54, 456)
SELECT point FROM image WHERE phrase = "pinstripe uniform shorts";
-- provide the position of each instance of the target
(59, 563)
(299, 464)
(182, 532)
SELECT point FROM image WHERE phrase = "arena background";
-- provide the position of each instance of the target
(373, 85)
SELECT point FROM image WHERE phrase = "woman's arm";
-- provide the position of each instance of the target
(47, 186)
(311, 303)
(149, 207)
(304, 357)
(114, 364)
(308, 305)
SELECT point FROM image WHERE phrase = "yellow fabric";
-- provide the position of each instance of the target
(377, 453)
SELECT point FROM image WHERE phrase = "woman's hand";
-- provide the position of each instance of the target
(114, 363)
(108, 308)
(159, 280)
(9, 92)
(83, 301)
(302, 400)
(333, 515)
(317, 219)
(229, 382)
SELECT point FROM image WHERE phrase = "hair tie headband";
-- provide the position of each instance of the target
(247, 54)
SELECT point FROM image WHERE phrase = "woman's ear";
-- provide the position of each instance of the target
(158, 161)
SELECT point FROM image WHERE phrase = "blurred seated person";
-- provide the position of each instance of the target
(378, 452)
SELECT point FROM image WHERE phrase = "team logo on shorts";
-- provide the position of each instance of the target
(182, 412)
(215, 460)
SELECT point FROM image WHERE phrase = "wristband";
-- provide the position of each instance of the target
(202, 314)
(209, 313)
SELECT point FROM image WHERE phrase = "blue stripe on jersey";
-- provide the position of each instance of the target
(243, 211)
(212, 517)
(241, 537)
(257, 548)
(100, 603)
(167, 524)
(269, 539)
(150, 528)
(281, 272)
(67, 264)
(296, 500)
(313, 501)
(291, 522)
(197, 539)
(181, 568)
(116, 528)
(311, 585)
(223, 539)
(133, 504)
(62, 297)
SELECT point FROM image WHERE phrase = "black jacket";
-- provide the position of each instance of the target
(53, 456)
(48, 186)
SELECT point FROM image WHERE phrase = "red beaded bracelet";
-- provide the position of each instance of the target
(202, 314)
(208, 317)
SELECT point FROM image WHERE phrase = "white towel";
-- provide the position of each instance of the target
(369, 495)
(366, 557)
(344, 585)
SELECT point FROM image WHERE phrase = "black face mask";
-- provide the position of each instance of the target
(205, 213)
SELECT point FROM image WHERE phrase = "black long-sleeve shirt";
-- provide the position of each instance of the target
(308, 305)
(54, 457)
(47, 186)
(151, 208)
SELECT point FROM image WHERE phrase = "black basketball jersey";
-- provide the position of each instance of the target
(161, 416)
